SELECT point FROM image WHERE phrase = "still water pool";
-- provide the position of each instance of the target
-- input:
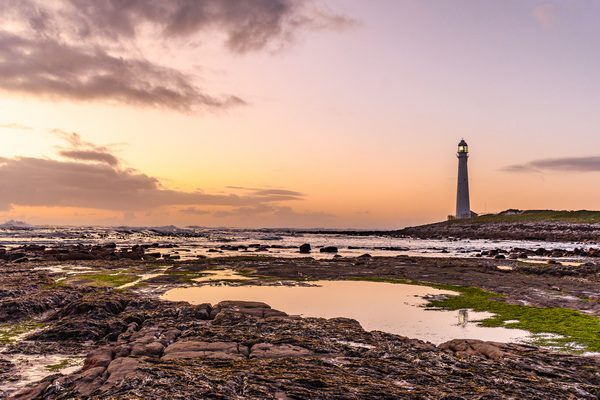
(388, 307)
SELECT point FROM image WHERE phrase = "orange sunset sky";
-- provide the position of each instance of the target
(285, 113)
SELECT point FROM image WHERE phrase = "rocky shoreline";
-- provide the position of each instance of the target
(541, 231)
(549, 231)
(130, 344)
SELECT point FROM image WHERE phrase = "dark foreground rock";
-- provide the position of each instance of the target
(180, 351)
(305, 248)
(328, 249)
(137, 347)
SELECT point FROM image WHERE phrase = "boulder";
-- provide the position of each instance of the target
(305, 248)
(473, 347)
(329, 249)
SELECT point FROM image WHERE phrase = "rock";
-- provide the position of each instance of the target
(473, 347)
(34, 392)
(305, 248)
(500, 257)
(366, 255)
(88, 380)
(328, 249)
(268, 350)
(202, 349)
(154, 349)
(255, 308)
(99, 358)
(121, 369)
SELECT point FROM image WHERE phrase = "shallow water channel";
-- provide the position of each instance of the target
(388, 307)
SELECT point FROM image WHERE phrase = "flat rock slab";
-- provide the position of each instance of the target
(268, 350)
(200, 349)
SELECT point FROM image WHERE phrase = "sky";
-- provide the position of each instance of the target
(295, 113)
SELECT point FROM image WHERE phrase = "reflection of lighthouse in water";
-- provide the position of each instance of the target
(463, 205)
(463, 317)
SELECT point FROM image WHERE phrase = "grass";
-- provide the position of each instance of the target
(574, 217)
(185, 276)
(9, 332)
(107, 280)
(60, 365)
(573, 327)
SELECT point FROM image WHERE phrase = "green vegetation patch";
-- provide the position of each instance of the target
(574, 217)
(572, 326)
(66, 363)
(184, 276)
(9, 332)
(106, 280)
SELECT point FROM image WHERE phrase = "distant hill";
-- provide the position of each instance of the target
(513, 215)
(545, 225)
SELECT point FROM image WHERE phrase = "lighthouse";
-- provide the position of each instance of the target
(463, 206)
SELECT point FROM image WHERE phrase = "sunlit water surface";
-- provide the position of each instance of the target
(392, 308)
(192, 242)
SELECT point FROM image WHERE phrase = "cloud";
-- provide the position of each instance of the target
(46, 67)
(92, 177)
(566, 164)
(90, 155)
(546, 15)
(16, 126)
(270, 214)
(291, 194)
(31, 181)
(193, 211)
(82, 150)
(94, 50)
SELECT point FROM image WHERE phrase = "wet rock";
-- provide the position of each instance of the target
(121, 369)
(88, 381)
(472, 347)
(254, 308)
(305, 248)
(269, 350)
(140, 347)
(201, 349)
(99, 358)
(154, 349)
(328, 249)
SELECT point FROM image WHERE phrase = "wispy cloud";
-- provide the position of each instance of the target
(567, 164)
(546, 15)
(193, 211)
(82, 150)
(15, 126)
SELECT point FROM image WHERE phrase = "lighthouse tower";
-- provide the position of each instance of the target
(463, 206)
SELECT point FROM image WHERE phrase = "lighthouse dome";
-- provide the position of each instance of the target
(463, 147)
